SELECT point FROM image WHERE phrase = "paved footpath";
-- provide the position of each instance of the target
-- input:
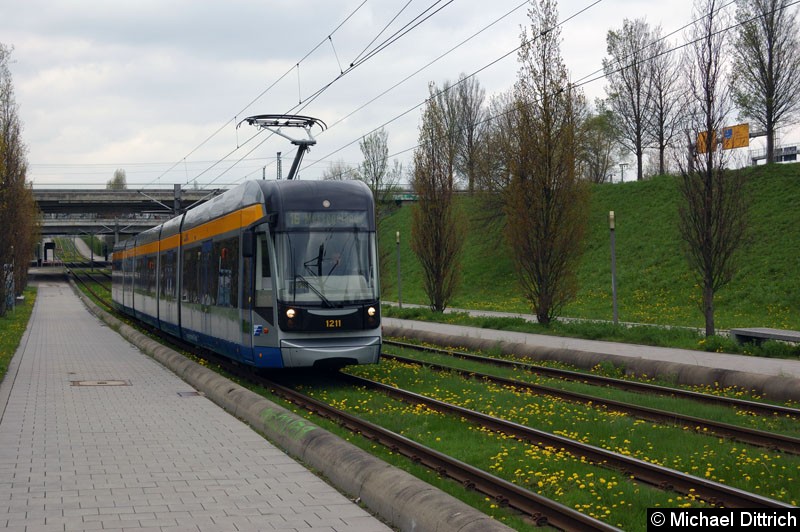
(96, 435)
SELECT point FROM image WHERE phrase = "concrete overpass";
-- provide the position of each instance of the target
(112, 212)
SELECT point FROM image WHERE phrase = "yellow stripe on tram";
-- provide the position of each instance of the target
(225, 224)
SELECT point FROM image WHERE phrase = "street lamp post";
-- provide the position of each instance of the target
(399, 280)
(611, 227)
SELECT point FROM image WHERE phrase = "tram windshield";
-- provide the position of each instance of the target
(327, 268)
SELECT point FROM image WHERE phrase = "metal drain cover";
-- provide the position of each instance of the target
(107, 382)
(190, 394)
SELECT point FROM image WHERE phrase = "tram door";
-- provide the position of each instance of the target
(246, 298)
(206, 292)
(264, 335)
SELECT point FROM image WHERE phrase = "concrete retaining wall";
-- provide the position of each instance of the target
(777, 388)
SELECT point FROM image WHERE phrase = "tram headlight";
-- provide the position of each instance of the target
(372, 317)
(290, 313)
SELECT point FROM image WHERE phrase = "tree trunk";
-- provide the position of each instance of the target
(770, 140)
(708, 309)
(639, 159)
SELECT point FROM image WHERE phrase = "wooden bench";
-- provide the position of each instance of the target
(758, 335)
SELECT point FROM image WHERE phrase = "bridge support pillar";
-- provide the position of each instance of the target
(176, 209)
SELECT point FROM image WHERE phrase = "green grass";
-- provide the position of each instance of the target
(786, 425)
(655, 284)
(548, 471)
(12, 327)
(736, 464)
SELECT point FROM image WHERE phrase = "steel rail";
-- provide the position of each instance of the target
(759, 438)
(663, 477)
(541, 509)
(79, 276)
(751, 406)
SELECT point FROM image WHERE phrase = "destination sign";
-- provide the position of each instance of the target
(326, 219)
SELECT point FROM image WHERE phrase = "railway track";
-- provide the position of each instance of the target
(87, 280)
(764, 409)
(541, 510)
(662, 477)
(746, 435)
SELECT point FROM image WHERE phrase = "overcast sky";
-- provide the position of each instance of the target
(156, 87)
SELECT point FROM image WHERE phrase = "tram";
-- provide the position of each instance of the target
(273, 274)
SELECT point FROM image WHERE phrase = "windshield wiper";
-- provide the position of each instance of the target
(318, 259)
(322, 297)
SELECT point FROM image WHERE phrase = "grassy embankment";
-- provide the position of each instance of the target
(655, 285)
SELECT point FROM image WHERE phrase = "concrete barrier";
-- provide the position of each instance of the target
(775, 387)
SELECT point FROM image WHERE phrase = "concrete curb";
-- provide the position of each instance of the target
(399, 498)
(776, 388)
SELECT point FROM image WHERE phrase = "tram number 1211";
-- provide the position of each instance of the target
(333, 324)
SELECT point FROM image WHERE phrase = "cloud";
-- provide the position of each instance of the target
(148, 83)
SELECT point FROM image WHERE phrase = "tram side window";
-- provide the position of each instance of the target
(226, 268)
(128, 271)
(139, 274)
(263, 279)
(167, 274)
(191, 275)
(150, 287)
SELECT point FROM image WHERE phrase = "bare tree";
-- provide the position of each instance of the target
(448, 111)
(471, 117)
(18, 214)
(766, 68)
(493, 175)
(667, 97)
(382, 179)
(628, 73)
(436, 236)
(375, 170)
(547, 203)
(714, 211)
(598, 151)
(119, 181)
(339, 171)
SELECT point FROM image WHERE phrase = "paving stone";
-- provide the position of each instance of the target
(136, 456)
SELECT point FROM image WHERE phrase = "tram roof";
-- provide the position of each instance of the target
(283, 196)
(276, 196)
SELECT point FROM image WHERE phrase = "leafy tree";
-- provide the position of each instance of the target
(119, 181)
(628, 72)
(18, 213)
(436, 235)
(714, 210)
(547, 203)
(766, 65)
